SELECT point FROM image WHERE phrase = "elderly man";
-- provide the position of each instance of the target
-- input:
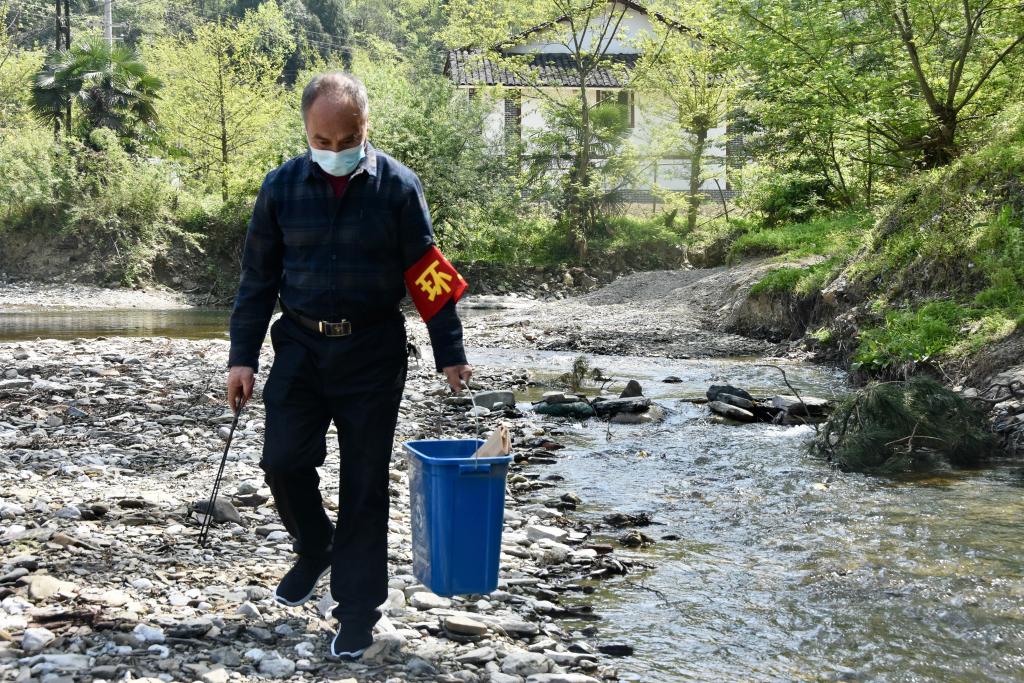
(337, 235)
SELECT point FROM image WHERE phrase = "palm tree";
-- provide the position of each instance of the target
(111, 85)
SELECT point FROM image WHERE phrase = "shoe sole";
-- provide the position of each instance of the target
(312, 590)
(355, 654)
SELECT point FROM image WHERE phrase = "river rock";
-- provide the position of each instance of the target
(276, 666)
(653, 414)
(731, 412)
(462, 625)
(632, 390)
(737, 401)
(715, 389)
(576, 409)
(35, 639)
(616, 649)
(811, 405)
(561, 678)
(535, 532)
(479, 656)
(614, 406)
(425, 600)
(526, 664)
(493, 400)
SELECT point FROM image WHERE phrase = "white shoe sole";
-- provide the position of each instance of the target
(351, 655)
(283, 601)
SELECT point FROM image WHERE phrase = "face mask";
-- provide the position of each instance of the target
(338, 163)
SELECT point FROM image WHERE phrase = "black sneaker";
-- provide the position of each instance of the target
(350, 642)
(298, 584)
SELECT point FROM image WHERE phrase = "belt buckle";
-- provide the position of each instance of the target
(338, 329)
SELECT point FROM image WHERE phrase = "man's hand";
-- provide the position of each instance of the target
(240, 382)
(456, 374)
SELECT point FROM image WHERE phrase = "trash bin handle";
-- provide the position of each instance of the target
(482, 468)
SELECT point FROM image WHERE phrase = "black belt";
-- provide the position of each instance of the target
(343, 327)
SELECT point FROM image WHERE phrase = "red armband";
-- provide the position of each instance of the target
(432, 281)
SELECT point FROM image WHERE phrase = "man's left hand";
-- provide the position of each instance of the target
(456, 375)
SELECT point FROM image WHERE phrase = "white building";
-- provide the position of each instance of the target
(519, 115)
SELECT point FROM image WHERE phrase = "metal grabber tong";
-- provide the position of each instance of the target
(204, 528)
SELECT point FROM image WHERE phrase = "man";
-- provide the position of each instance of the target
(337, 234)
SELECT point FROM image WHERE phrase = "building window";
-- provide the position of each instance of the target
(622, 97)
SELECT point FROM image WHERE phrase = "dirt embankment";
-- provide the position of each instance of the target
(674, 313)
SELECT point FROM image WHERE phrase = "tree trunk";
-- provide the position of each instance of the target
(223, 130)
(579, 213)
(701, 136)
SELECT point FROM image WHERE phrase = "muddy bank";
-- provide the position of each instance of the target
(105, 444)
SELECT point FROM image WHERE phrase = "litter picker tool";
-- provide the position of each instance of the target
(204, 527)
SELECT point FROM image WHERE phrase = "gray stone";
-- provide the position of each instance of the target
(811, 405)
(526, 664)
(477, 657)
(35, 639)
(494, 399)
(384, 647)
(614, 406)
(498, 677)
(15, 384)
(737, 401)
(654, 414)
(731, 412)
(632, 390)
(576, 409)
(715, 389)
(425, 600)
(219, 675)
(462, 625)
(535, 532)
(43, 586)
(561, 678)
(276, 666)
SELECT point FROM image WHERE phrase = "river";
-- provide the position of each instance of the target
(776, 566)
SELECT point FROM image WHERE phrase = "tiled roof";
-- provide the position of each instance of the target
(466, 67)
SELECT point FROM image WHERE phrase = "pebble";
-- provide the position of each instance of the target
(276, 666)
(425, 600)
(465, 626)
(114, 463)
(526, 664)
(35, 639)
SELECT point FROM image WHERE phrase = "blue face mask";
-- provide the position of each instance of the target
(338, 163)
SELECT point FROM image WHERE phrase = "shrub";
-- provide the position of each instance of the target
(893, 427)
(781, 196)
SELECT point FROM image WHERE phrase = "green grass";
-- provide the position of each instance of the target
(799, 280)
(837, 235)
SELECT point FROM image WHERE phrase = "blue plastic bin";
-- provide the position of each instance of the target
(458, 508)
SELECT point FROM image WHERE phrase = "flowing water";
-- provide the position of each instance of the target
(782, 569)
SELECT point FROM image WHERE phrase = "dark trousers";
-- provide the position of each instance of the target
(357, 381)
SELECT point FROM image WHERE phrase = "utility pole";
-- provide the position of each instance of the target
(108, 23)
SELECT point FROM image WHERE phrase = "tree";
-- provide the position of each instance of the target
(691, 73)
(586, 31)
(424, 122)
(854, 88)
(110, 85)
(223, 111)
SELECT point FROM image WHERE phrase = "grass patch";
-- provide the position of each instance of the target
(795, 280)
(838, 235)
(935, 329)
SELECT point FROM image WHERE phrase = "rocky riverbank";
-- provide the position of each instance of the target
(107, 444)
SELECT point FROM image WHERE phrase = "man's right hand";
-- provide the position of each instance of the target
(240, 382)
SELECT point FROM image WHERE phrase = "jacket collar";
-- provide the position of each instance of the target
(368, 164)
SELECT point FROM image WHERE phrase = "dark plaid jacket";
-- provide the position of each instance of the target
(332, 258)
